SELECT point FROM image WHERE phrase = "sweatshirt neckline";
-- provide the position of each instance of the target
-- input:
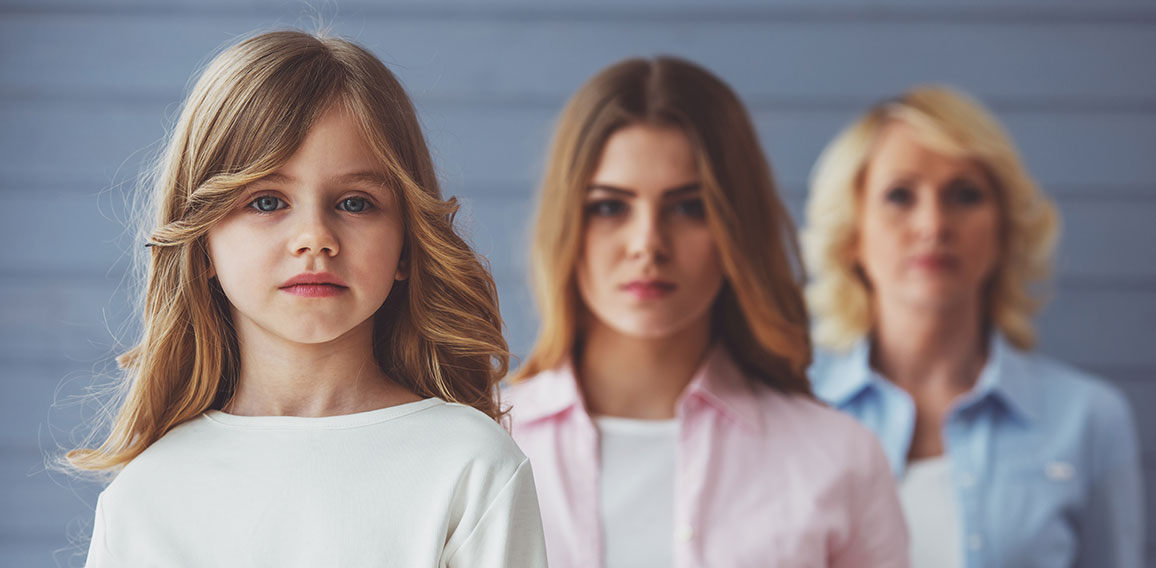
(322, 422)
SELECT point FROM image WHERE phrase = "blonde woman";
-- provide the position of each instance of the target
(315, 381)
(924, 238)
(665, 406)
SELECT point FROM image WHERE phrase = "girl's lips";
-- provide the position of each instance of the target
(649, 290)
(315, 290)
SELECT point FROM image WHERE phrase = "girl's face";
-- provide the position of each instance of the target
(929, 225)
(649, 266)
(315, 249)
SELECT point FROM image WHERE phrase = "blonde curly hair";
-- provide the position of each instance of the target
(954, 124)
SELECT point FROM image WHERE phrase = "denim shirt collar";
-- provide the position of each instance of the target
(1005, 378)
(847, 376)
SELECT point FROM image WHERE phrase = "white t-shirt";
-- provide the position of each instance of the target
(419, 484)
(637, 491)
(929, 503)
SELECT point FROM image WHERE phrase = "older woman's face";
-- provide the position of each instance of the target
(649, 266)
(929, 225)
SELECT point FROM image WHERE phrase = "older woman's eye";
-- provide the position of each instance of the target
(899, 196)
(267, 204)
(354, 204)
(605, 208)
(965, 194)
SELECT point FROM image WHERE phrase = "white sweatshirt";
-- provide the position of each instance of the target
(421, 484)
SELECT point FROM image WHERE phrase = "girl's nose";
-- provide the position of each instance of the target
(314, 236)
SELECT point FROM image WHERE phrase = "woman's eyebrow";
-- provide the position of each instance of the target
(682, 190)
(674, 192)
(610, 189)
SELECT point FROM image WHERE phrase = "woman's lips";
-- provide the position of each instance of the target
(649, 289)
(934, 262)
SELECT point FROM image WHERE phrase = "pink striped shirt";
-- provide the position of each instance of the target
(763, 478)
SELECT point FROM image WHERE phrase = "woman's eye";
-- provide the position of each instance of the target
(267, 204)
(354, 204)
(605, 208)
(899, 196)
(965, 194)
(693, 208)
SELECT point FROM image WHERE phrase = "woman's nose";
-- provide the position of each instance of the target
(647, 236)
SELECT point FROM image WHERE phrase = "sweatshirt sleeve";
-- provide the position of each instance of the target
(509, 533)
(878, 535)
(98, 555)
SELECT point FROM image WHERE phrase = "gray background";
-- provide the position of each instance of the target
(88, 88)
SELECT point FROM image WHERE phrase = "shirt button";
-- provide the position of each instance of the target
(685, 533)
(967, 480)
(975, 542)
(1059, 471)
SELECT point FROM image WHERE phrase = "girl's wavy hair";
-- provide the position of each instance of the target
(438, 333)
(956, 125)
(759, 314)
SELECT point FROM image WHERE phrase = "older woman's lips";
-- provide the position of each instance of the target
(934, 262)
(649, 289)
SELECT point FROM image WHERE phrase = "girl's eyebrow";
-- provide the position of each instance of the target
(362, 178)
(368, 178)
(674, 192)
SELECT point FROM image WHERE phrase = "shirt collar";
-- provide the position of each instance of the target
(726, 388)
(549, 394)
(718, 381)
(845, 376)
(1005, 377)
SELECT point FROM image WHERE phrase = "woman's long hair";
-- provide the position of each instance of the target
(438, 333)
(759, 314)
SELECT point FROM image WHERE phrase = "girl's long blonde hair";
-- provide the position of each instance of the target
(759, 315)
(953, 124)
(438, 333)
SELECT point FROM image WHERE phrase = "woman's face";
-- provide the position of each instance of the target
(649, 266)
(929, 225)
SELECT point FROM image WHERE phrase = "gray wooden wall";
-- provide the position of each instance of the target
(88, 88)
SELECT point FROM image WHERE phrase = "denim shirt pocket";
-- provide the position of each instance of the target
(1034, 509)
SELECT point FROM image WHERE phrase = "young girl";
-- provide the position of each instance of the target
(665, 406)
(315, 381)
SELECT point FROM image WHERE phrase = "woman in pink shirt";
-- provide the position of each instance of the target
(665, 407)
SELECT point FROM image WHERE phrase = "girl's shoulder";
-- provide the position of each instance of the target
(458, 427)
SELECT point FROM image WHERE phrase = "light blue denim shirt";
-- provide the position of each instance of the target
(1044, 458)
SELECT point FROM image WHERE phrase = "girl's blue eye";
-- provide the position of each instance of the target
(354, 204)
(267, 204)
(693, 208)
(606, 208)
